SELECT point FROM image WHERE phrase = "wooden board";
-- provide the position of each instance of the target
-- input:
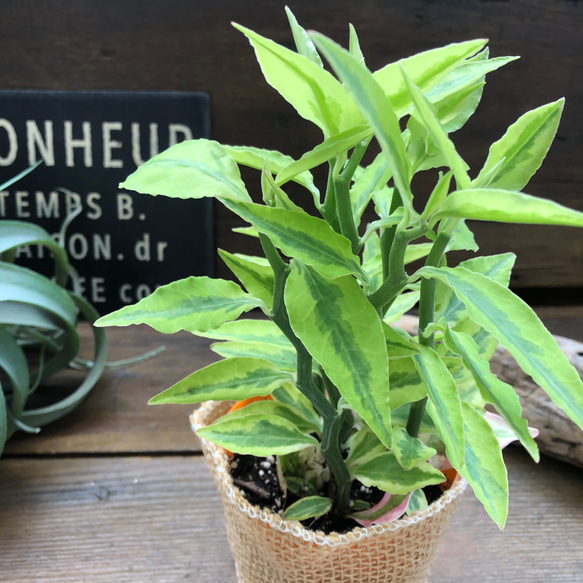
(159, 520)
(116, 416)
(190, 46)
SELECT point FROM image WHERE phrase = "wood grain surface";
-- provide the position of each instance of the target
(159, 520)
(183, 45)
(118, 492)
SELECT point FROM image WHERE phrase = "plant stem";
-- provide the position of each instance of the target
(397, 276)
(343, 202)
(426, 317)
(333, 422)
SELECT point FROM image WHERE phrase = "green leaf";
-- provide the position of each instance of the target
(190, 169)
(343, 332)
(194, 304)
(425, 111)
(402, 304)
(15, 313)
(269, 408)
(426, 69)
(458, 94)
(309, 507)
(438, 195)
(13, 363)
(327, 150)
(304, 44)
(249, 330)
(284, 357)
(3, 421)
(376, 109)
(315, 94)
(233, 379)
(386, 473)
(25, 286)
(417, 251)
(257, 435)
(500, 394)
(462, 239)
(256, 157)
(374, 177)
(519, 330)
(484, 469)
(399, 343)
(496, 267)
(8, 183)
(256, 277)
(454, 110)
(408, 450)
(446, 411)
(47, 414)
(289, 394)
(520, 152)
(365, 446)
(16, 233)
(405, 383)
(507, 206)
(354, 46)
(300, 235)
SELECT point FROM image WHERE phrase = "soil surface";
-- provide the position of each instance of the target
(257, 480)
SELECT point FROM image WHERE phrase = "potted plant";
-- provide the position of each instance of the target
(336, 394)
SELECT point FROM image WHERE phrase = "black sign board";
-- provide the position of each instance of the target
(122, 244)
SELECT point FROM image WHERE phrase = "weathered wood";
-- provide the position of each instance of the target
(183, 45)
(159, 520)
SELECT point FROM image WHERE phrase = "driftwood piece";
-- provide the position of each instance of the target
(559, 437)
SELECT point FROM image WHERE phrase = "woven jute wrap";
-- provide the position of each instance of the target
(267, 548)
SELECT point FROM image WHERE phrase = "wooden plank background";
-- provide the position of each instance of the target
(187, 45)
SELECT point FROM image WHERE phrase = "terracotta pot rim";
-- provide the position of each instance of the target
(217, 455)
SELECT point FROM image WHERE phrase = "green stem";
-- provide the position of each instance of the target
(397, 276)
(332, 420)
(426, 317)
(343, 203)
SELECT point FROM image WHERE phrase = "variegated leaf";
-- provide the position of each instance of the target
(408, 450)
(284, 357)
(315, 94)
(194, 304)
(343, 332)
(308, 507)
(500, 394)
(446, 411)
(300, 235)
(514, 158)
(484, 468)
(231, 379)
(507, 206)
(255, 276)
(192, 169)
(376, 109)
(257, 435)
(386, 473)
(520, 331)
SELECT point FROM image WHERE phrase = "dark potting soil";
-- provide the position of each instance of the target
(257, 480)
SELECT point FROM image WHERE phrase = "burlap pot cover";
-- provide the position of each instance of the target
(267, 548)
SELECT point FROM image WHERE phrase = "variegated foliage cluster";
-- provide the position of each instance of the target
(342, 378)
